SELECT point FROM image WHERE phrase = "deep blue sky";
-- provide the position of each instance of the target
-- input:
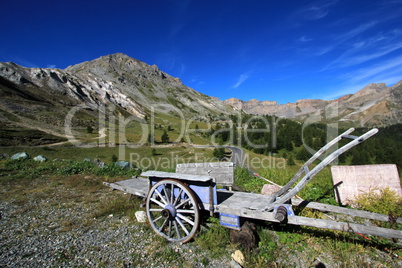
(268, 50)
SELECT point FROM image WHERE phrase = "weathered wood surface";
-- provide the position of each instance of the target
(169, 175)
(241, 200)
(135, 186)
(221, 172)
(250, 208)
(342, 210)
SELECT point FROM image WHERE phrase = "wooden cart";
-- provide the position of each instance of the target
(175, 201)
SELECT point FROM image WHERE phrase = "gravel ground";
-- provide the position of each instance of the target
(48, 233)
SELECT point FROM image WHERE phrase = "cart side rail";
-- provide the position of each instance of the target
(309, 174)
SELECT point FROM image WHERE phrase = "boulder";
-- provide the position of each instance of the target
(269, 189)
(4, 156)
(99, 163)
(238, 257)
(40, 158)
(141, 216)
(19, 156)
(124, 164)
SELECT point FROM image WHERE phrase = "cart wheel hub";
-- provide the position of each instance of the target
(169, 212)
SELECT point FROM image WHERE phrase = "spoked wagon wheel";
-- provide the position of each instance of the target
(173, 210)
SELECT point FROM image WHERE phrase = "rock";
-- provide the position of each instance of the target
(87, 160)
(124, 164)
(19, 156)
(269, 189)
(4, 156)
(238, 257)
(141, 216)
(234, 264)
(99, 163)
(40, 158)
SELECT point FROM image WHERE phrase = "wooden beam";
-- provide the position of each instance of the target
(342, 210)
(318, 223)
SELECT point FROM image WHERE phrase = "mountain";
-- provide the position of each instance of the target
(36, 103)
(41, 99)
(374, 105)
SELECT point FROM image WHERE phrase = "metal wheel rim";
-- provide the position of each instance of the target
(174, 216)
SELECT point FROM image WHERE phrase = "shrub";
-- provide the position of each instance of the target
(384, 201)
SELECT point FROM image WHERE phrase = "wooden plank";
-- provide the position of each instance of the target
(318, 223)
(342, 210)
(169, 175)
(135, 186)
(345, 226)
(221, 172)
(239, 200)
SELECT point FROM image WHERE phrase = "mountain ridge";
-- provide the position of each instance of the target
(373, 105)
(40, 98)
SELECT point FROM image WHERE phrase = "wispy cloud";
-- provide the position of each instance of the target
(241, 80)
(372, 48)
(339, 39)
(316, 10)
(389, 72)
(304, 39)
(381, 71)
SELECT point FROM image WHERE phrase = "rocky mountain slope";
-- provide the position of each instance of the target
(41, 98)
(374, 105)
(37, 100)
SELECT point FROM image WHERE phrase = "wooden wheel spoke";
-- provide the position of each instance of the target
(160, 195)
(182, 203)
(163, 225)
(157, 219)
(156, 209)
(182, 225)
(177, 197)
(170, 229)
(177, 229)
(185, 211)
(186, 219)
(157, 202)
(171, 193)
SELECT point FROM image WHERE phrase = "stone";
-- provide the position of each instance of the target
(141, 216)
(99, 163)
(19, 156)
(124, 164)
(234, 264)
(351, 181)
(4, 156)
(269, 189)
(87, 160)
(238, 257)
(40, 158)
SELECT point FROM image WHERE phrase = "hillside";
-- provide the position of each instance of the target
(374, 105)
(41, 99)
(37, 104)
